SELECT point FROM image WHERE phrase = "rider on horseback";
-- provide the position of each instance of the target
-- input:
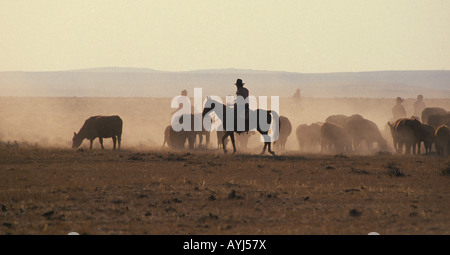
(243, 92)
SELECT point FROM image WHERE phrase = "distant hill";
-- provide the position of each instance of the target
(142, 82)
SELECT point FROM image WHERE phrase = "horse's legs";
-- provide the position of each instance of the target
(264, 149)
(232, 141)
(119, 139)
(269, 148)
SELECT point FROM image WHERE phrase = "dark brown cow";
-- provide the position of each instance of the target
(360, 129)
(334, 138)
(177, 139)
(406, 132)
(442, 137)
(437, 120)
(101, 127)
(431, 111)
(285, 130)
(308, 136)
(427, 137)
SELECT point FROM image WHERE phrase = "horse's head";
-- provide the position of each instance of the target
(76, 140)
(209, 105)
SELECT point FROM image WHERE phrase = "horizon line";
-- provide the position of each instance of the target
(230, 69)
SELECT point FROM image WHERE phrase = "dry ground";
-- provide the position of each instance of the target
(57, 191)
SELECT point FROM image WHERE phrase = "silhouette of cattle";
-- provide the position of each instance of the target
(308, 136)
(338, 119)
(166, 137)
(361, 129)
(437, 120)
(177, 139)
(406, 132)
(442, 138)
(101, 127)
(431, 111)
(285, 130)
(427, 137)
(334, 138)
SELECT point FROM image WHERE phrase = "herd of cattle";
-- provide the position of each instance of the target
(338, 134)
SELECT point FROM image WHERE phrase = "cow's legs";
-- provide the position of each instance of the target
(101, 142)
(114, 142)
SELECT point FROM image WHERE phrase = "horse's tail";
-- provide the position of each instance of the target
(275, 114)
(269, 117)
(276, 126)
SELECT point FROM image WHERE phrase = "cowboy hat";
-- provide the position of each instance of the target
(239, 83)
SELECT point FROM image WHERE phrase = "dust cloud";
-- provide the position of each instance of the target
(51, 121)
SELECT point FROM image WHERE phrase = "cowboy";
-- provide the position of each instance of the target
(243, 92)
(398, 111)
(184, 105)
(419, 106)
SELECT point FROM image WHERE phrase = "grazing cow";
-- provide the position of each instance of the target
(430, 111)
(308, 136)
(406, 132)
(177, 139)
(191, 135)
(334, 138)
(360, 129)
(285, 130)
(442, 136)
(101, 127)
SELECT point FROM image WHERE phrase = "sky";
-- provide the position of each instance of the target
(307, 36)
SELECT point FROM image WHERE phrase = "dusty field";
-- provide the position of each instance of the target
(48, 188)
(57, 191)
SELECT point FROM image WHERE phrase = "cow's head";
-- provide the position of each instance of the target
(76, 140)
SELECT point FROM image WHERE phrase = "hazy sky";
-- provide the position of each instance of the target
(182, 35)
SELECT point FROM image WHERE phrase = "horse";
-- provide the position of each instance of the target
(214, 106)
